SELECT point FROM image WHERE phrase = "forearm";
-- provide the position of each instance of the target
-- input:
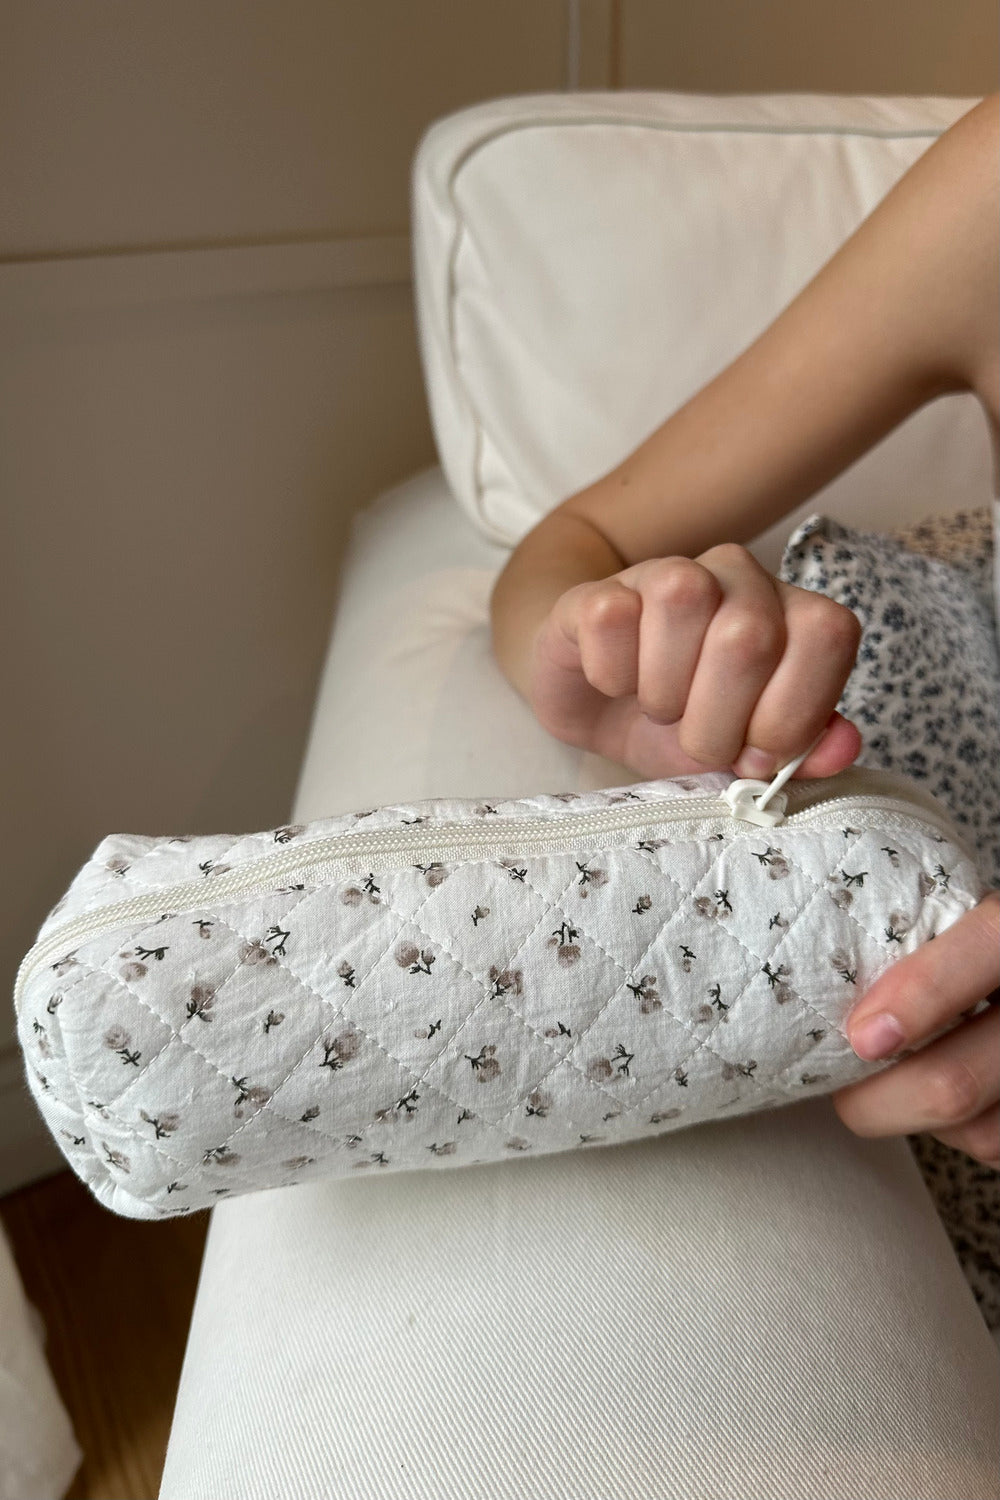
(560, 552)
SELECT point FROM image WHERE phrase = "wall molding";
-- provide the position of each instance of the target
(60, 283)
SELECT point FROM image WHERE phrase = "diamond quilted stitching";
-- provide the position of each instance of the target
(180, 1105)
(486, 1069)
(484, 908)
(262, 1019)
(107, 1058)
(764, 883)
(340, 1082)
(412, 1017)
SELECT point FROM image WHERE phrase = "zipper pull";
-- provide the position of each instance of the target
(740, 797)
(746, 797)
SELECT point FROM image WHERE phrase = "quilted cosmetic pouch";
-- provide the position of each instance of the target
(448, 982)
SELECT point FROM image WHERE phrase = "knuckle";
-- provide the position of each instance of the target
(833, 623)
(843, 629)
(730, 554)
(750, 638)
(952, 1091)
(608, 603)
(684, 584)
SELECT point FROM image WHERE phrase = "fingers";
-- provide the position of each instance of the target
(930, 988)
(742, 647)
(950, 1089)
(952, 1085)
(679, 598)
(720, 651)
(822, 644)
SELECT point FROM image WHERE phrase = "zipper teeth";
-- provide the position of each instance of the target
(392, 840)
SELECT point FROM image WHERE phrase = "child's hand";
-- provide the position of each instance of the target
(951, 1087)
(677, 665)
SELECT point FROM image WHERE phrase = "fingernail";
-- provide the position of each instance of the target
(877, 1037)
(755, 763)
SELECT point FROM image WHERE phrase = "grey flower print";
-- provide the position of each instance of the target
(478, 915)
(252, 1093)
(118, 1040)
(538, 1103)
(416, 960)
(221, 1156)
(506, 981)
(773, 861)
(846, 967)
(642, 905)
(646, 994)
(899, 926)
(62, 964)
(688, 957)
(485, 1067)
(367, 891)
(118, 865)
(117, 1158)
(162, 1124)
(279, 937)
(713, 906)
(735, 1070)
(780, 991)
(133, 969)
(292, 831)
(255, 953)
(274, 1018)
(839, 895)
(201, 1002)
(589, 878)
(600, 1069)
(434, 874)
(567, 951)
(341, 1050)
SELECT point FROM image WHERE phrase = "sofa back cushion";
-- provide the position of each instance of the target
(585, 263)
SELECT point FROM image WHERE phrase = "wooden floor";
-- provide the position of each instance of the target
(116, 1297)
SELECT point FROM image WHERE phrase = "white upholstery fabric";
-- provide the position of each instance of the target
(585, 263)
(39, 1453)
(763, 1309)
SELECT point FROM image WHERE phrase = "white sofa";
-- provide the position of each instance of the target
(767, 1308)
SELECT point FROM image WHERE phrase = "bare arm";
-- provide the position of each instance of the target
(896, 318)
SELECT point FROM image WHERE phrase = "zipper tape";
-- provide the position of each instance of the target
(867, 791)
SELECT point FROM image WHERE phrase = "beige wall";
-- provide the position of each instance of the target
(208, 361)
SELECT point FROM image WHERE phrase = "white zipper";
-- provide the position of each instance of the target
(494, 839)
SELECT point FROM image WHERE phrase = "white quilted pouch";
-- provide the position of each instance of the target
(448, 981)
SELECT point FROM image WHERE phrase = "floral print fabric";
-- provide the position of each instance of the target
(415, 1011)
(925, 689)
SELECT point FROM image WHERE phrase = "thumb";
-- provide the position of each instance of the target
(839, 747)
